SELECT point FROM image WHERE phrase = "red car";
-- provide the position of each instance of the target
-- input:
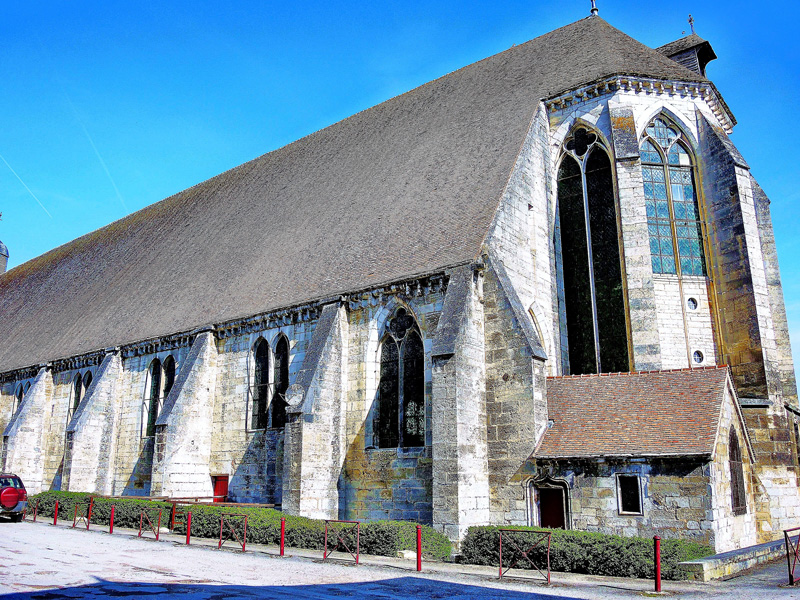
(13, 497)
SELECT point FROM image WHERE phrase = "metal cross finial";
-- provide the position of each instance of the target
(691, 22)
(594, 8)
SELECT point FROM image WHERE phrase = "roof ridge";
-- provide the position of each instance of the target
(635, 373)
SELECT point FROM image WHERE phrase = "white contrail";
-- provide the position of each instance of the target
(26, 187)
(97, 153)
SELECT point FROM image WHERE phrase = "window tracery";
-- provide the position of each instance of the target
(400, 416)
(592, 268)
(673, 216)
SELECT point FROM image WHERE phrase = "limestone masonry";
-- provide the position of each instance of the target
(541, 290)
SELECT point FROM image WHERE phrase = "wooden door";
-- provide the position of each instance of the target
(551, 508)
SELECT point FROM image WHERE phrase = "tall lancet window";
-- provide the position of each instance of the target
(281, 379)
(673, 218)
(151, 400)
(400, 414)
(590, 248)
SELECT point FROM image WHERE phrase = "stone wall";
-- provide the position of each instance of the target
(385, 483)
(676, 497)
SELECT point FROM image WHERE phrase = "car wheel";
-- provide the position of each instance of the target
(17, 518)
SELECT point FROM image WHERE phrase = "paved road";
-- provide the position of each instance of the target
(39, 562)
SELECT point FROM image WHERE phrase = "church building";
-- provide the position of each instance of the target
(540, 290)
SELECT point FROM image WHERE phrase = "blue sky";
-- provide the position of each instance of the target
(109, 106)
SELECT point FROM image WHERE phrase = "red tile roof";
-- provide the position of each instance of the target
(647, 413)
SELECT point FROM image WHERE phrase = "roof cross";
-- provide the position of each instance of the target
(594, 8)
(691, 22)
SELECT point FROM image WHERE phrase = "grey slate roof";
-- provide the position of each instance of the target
(690, 41)
(405, 188)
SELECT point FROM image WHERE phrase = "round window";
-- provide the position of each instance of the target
(697, 356)
(692, 303)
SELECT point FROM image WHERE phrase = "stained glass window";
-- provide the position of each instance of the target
(281, 379)
(673, 217)
(595, 314)
(400, 416)
(150, 404)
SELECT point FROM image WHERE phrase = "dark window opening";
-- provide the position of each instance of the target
(260, 390)
(152, 400)
(609, 297)
(87, 380)
(77, 391)
(400, 416)
(738, 490)
(577, 288)
(594, 303)
(278, 406)
(630, 499)
(169, 376)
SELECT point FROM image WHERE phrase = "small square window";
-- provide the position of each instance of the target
(629, 495)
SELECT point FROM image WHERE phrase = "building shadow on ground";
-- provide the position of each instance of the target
(400, 588)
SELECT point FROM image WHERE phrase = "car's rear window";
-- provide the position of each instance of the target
(14, 482)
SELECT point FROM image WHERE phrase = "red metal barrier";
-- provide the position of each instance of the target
(792, 551)
(111, 521)
(283, 534)
(145, 514)
(657, 560)
(513, 539)
(188, 527)
(342, 528)
(55, 514)
(35, 512)
(233, 520)
(419, 548)
(83, 513)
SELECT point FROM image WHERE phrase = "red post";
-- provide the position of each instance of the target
(657, 551)
(111, 525)
(325, 553)
(221, 524)
(188, 527)
(158, 528)
(89, 515)
(244, 537)
(75, 518)
(501, 555)
(55, 514)
(358, 541)
(141, 520)
(35, 511)
(419, 548)
(283, 533)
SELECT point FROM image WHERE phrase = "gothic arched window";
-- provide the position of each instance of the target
(738, 490)
(594, 303)
(87, 380)
(18, 397)
(281, 380)
(673, 216)
(400, 415)
(77, 391)
(261, 387)
(150, 403)
(169, 377)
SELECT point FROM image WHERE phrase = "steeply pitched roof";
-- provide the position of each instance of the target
(690, 41)
(652, 413)
(405, 188)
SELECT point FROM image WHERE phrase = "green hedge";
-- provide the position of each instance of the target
(585, 552)
(382, 538)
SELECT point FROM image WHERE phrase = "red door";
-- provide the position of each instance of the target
(220, 484)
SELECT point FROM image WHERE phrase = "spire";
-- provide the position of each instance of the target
(594, 8)
(691, 22)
